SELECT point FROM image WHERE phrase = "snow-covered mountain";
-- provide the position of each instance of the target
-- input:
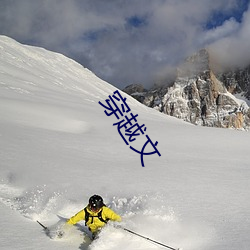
(58, 147)
(201, 95)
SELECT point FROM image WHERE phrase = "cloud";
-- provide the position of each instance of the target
(228, 28)
(233, 49)
(125, 42)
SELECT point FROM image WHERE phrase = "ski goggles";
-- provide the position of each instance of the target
(94, 208)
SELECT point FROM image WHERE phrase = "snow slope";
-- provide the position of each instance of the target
(57, 148)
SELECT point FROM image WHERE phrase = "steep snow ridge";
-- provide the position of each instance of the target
(36, 71)
(40, 68)
(35, 75)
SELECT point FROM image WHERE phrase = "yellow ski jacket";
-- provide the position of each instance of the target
(94, 223)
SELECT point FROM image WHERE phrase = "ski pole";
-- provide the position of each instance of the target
(146, 238)
(45, 228)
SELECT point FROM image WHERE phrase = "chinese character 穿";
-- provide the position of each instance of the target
(114, 108)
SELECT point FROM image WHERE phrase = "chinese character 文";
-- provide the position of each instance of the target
(144, 146)
(116, 104)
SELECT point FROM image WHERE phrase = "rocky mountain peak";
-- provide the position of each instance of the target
(200, 96)
(196, 64)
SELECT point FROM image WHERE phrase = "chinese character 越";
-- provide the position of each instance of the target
(131, 129)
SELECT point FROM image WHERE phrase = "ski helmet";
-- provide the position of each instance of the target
(96, 202)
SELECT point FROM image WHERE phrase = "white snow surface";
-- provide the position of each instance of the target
(57, 148)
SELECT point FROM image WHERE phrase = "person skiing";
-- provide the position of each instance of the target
(95, 214)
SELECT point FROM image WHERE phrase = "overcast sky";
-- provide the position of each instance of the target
(131, 41)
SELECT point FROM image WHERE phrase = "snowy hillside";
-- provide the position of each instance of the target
(58, 147)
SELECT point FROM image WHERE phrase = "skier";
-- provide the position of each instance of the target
(95, 214)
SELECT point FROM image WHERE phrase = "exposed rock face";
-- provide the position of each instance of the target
(199, 97)
(237, 81)
(137, 91)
